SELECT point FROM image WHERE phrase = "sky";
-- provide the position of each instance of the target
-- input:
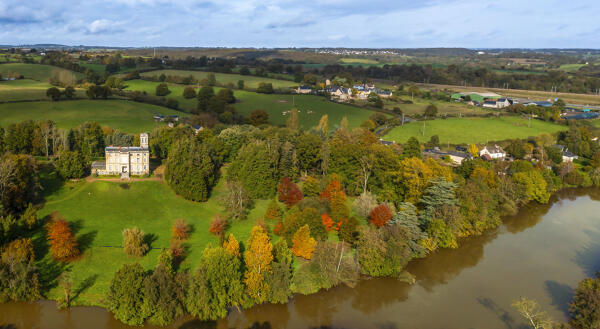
(284, 23)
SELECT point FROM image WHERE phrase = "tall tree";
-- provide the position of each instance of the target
(258, 257)
(63, 244)
(126, 294)
(303, 245)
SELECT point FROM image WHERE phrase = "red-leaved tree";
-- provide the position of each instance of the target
(217, 227)
(63, 244)
(381, 215)
(288, 192)
(327, 222)
(180, 230)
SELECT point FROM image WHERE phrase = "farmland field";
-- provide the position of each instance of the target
(37, 72)
(274, 104)
(444, 108)
(99, 211)
(472, 130)
(20, 90)
(127, 116)
(571, 67)
(358, 61)
(222, 78)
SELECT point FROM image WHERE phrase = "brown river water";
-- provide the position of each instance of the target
(540, 253)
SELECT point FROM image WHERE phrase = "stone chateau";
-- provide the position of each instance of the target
(125, 160)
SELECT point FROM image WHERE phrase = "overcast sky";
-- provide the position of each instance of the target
(283, 23)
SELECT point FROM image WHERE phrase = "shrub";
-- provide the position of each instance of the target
(162, 89)
(217, 227)
(133, 242)
(274, 212)
(180, 229)
(189, 92)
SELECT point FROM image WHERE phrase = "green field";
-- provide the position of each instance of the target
(100, 211)
(472, 130)
(444, 108)
(571, 67)
(358, 61)
(25, 89)
(222, 78)
(37, 72)
(273, 104)
(127, 116)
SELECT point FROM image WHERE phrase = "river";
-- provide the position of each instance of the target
(542, 252)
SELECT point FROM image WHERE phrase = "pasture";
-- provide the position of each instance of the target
(223, 78)
(124, 115)
(444, 108)
(99, 211)
(36, 72)
(472, 130)
(276, 105)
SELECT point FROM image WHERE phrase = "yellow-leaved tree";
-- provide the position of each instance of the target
(232, 246)
(258, 258)
(303, 245)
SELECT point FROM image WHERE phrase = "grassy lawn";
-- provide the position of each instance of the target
(100, 211)
(127, 116)
(571, 67)
(222, 78)
(472, 130)
(273, 104)
(37, 72)
(451, 108)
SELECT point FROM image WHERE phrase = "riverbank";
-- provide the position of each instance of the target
(542, 252)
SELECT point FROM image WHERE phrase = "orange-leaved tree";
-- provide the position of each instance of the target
(327, 221)
(232, 246)
(381, 215)
(303, 245)
(288, 192)
(258, 258)
(180, 229)
(334, 187)
(63, 244)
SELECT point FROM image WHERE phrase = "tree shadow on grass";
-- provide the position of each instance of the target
(561, 295)
(85, 285)
(149, 238)
(49, 270)
(85, 240)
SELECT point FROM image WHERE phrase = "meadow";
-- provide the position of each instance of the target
(128, 116)
(36, 72)
(444, 108)
(99, 211)
(223, 78)
(472, 130)
(311, 107)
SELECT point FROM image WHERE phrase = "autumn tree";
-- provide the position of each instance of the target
(63, 244)
(274, 212)
(532, 312)
(303, 245)
(364, 204)
(180, 230)
(288, 192)
(258, 257)
(217, 227)
(232, 246)
(380, 215)
(327, 222)
(18, 251)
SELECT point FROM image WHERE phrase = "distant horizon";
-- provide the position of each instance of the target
(401, 24)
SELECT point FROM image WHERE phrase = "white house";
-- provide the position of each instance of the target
(497, 104)
(304, 90)
(125, 161)
(495, 152)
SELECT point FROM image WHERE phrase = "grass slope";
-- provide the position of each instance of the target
(274, 104)
(223, 78)
(127, 116)
(472, 130)
(100, 211)
(37, 72)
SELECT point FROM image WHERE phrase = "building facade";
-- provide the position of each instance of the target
(126, 160)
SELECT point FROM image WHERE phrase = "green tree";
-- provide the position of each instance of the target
(71, 164)
(585, 306)
(308, 151)
(53, 93)
(430, 111)
(211, 80)
(258, 117)
(191, 169)
(126, 294)
(205, 94)
(69, 92)
(265, 88)
(255, 167)
(162, 89)
(215, 286)
(532, 185)
(412, 149)
(189, 92)
(374, 100)
(240, 84)
(163, 297)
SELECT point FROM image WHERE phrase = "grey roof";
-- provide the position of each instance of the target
(124, 149)
(490, 102)
(305, 87)
(99, 165)
(569, 154)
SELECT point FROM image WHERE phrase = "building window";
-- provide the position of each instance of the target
(109, 168)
